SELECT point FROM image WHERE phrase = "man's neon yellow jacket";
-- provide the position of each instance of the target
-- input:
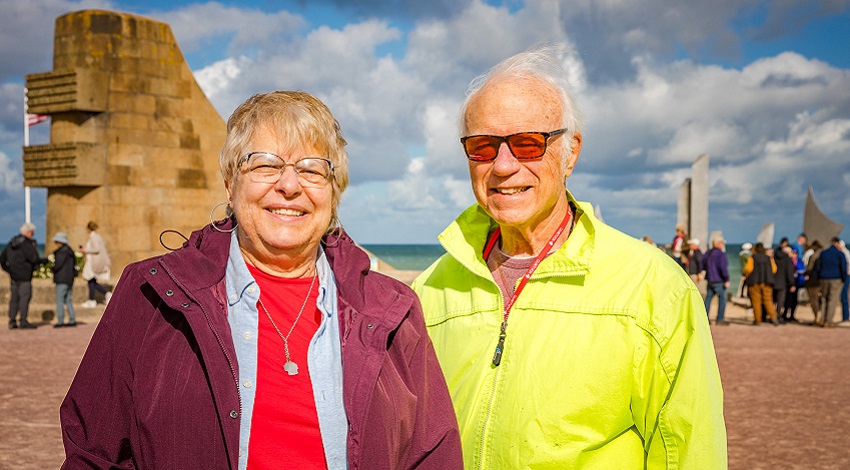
(608, 361)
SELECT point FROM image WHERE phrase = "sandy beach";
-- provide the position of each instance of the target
(785, 392)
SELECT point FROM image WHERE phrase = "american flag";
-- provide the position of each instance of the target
(33, 119)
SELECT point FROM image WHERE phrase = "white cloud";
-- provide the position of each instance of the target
(10, 178)
(199, 24)
(218, 77)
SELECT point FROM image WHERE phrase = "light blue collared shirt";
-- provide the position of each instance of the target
(324, 355)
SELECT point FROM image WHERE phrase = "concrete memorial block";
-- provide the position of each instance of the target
(134, 142)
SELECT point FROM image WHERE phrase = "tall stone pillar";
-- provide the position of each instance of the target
(692, 207)
(133, 140)
(699, 202)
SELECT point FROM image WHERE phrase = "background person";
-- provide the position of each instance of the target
(20, 259)
(845, 295)
(743, 256)
(831, 267)
(696, 265)
(801, 244)
(784, 278)
(813, 290)
(96, 267)
(565, 343)
(273, 346)
(759, 270)
(678, 245)
(717, 278)
(64, 271)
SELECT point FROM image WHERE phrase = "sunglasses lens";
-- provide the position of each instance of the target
(527, 145)
(482, 148)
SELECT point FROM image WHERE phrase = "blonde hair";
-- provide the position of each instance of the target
(301, 121)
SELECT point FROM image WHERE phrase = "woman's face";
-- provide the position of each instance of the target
(282, 221)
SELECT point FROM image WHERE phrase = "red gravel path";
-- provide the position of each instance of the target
(787, 393)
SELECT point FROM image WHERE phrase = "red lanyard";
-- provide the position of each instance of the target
(497, 357)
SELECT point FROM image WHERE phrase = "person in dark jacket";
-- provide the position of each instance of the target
(831, 267)
(265, 341)
(717, 277)
(759, 270)
(64, 271)
(784, 277)
(791, 299)
(20, 259)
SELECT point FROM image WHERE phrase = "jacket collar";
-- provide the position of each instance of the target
(202, 262)
(464, 240)
(350, 265)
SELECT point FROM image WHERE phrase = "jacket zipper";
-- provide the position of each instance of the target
(492, 398)
(489, 410)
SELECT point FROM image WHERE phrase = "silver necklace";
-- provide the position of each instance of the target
(290, 367)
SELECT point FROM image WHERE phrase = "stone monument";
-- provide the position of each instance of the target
(692, 208)
(133, 140)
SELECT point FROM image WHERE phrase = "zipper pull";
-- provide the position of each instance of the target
(497, 356)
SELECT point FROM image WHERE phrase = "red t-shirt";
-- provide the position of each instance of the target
(284, 426)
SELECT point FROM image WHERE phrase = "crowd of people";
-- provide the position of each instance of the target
(775, 279)
(20, 259)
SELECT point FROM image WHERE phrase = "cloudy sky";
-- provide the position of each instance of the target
(762, 87)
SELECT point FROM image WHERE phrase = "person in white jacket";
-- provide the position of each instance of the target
(97, 266)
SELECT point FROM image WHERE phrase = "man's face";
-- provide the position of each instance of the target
(521, 195)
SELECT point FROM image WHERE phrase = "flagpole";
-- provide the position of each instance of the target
(26, 144)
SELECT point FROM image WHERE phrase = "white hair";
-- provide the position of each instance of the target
(541, 63)
(27, 227)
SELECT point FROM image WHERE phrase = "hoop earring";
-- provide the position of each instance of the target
(228, 214)
(335, 230)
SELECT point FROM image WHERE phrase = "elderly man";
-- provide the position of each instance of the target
(717, 277)
(565, 343)
(831, 267)
(20, 259)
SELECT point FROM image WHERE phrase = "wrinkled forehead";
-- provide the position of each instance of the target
(525, 103)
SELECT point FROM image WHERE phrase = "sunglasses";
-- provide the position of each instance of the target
(523, 146)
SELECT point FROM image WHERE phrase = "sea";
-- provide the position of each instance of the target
(419, 257)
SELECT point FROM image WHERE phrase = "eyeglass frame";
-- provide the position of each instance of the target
(286, 164)
(504, 139)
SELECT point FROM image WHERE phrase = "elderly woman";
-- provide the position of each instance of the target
(265, 342)
(96, 267)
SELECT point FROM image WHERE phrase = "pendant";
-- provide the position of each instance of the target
(290, 367)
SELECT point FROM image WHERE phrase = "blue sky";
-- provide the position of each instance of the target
(762, 87)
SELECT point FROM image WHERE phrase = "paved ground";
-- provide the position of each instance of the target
(786, 393)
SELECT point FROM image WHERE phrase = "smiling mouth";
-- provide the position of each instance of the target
(511, 191)
(287, 212)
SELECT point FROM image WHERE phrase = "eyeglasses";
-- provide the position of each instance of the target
(265, 167)
(523, 146)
